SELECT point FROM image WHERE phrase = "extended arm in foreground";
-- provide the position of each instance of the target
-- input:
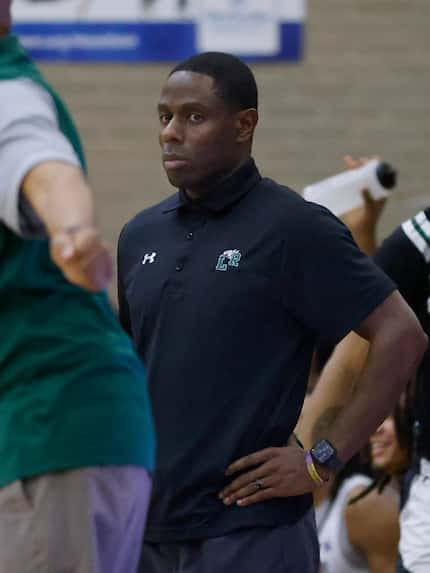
(60, 195)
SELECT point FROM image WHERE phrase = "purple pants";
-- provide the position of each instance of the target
(89, 520)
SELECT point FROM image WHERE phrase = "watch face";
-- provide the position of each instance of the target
(323, 451)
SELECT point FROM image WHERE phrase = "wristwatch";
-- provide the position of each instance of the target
(324, 454)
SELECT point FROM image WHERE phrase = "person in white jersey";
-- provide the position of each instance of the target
(357, 517)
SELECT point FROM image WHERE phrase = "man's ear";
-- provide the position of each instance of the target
(246, 122)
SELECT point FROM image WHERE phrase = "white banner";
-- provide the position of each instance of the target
(103, 10)
(137, 10)
(239, 26)
(159, 30)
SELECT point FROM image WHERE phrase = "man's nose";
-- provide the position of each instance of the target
(172, 131)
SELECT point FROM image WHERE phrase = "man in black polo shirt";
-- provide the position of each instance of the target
(225, 287)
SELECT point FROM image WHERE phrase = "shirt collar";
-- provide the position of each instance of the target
(227, 192)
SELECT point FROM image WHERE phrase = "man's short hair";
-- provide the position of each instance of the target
(234, 80)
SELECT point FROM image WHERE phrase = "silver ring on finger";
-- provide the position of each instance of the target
(258, 483)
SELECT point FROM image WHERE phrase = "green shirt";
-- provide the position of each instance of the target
(72, 391)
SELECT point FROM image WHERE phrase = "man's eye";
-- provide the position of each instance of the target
(164, 118)
(195, 117)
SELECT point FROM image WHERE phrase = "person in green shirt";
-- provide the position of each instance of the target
(77, 443)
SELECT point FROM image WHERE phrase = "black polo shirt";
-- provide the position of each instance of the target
(224, 299)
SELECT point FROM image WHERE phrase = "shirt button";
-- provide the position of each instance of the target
(179, 267)
(190, 236)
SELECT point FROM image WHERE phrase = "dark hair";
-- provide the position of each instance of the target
(234, 80)
(404, 428)
(356, 465)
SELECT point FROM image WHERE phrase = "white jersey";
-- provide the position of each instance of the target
(337, 553)
(29, 135)
(415, 523)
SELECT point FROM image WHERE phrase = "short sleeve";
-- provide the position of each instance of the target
(330, 285)
(405, 255)
(29, 135)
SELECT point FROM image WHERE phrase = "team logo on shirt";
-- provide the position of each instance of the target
(229, 258)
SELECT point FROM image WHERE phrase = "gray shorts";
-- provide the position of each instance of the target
(89, 520)
(286, 549)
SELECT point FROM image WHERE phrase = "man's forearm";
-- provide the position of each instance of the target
(333, 390)
(393, 357)
(366, 240)
(60, 195)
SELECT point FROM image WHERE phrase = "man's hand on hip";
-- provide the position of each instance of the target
(269, 473)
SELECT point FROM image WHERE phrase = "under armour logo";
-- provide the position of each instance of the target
(149, 258)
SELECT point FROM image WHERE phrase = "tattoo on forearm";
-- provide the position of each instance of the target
(325, 422)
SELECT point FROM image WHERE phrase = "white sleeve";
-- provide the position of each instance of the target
(29, 135)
